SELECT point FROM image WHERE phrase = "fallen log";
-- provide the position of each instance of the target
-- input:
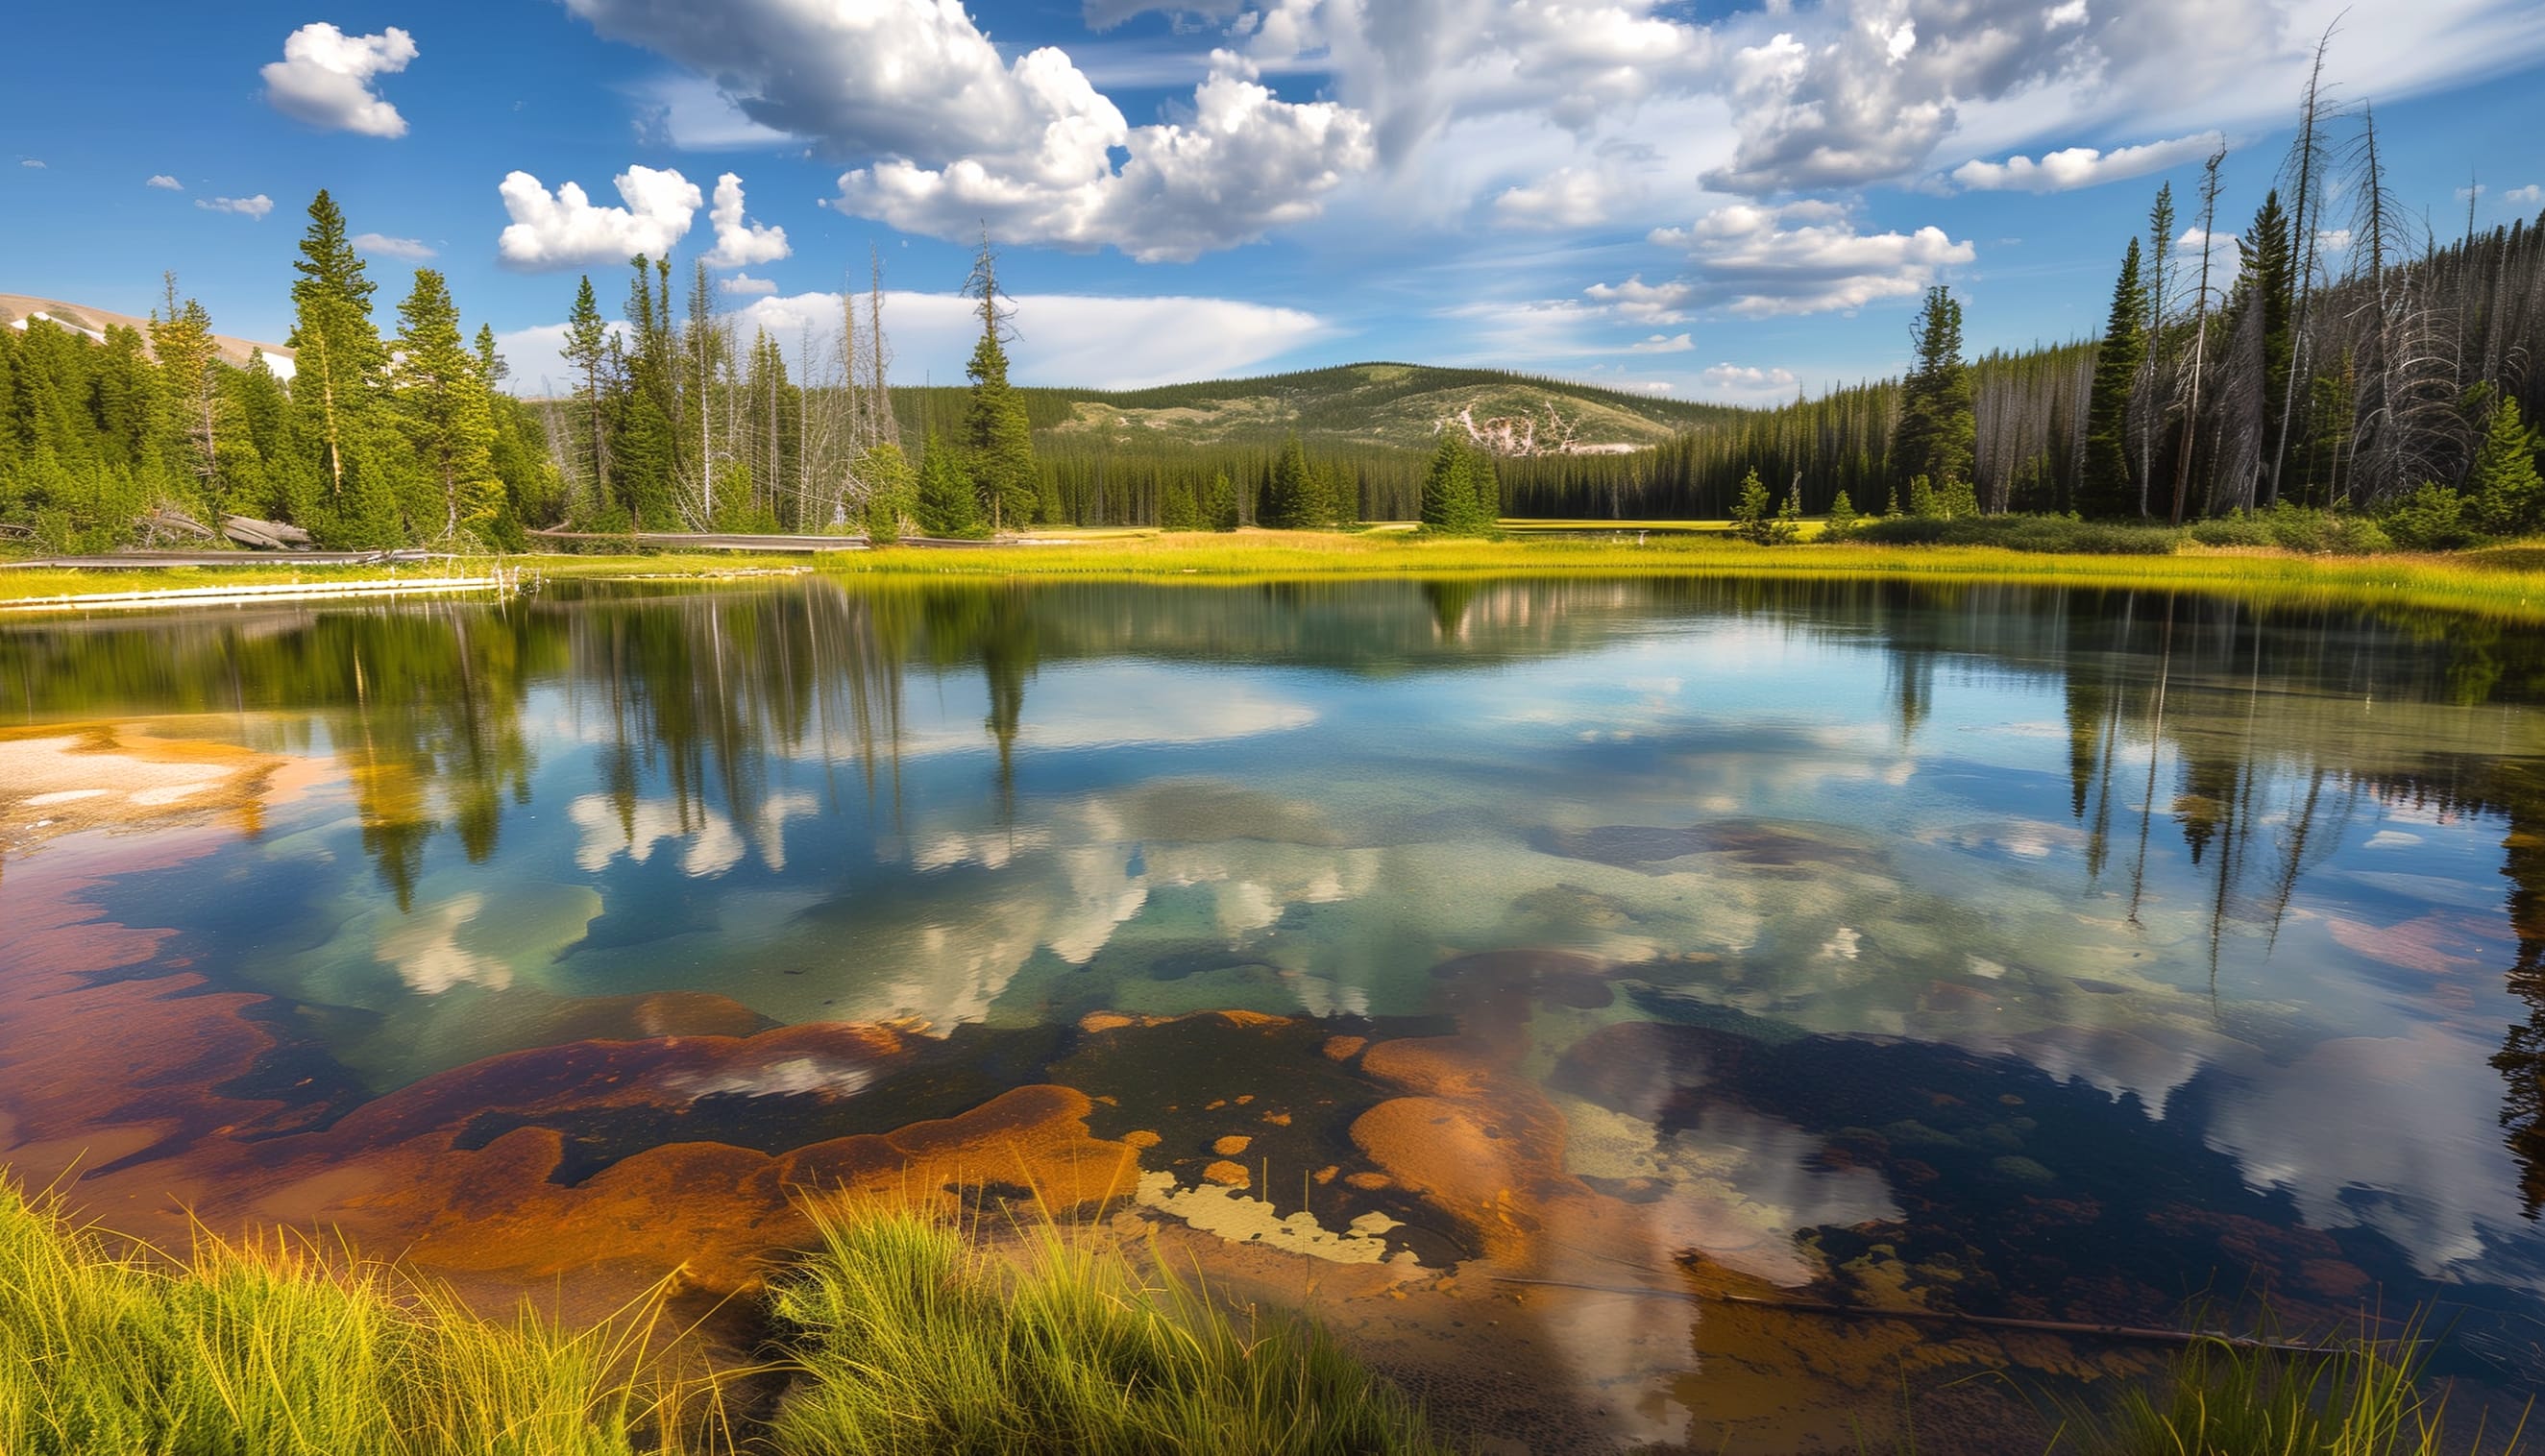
(2131, 1332)
(264, 535)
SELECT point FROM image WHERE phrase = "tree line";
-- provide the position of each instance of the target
(149, 436)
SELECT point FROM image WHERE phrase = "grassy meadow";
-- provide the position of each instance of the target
(2505, 582)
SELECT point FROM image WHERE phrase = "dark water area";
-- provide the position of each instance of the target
(2060, 955)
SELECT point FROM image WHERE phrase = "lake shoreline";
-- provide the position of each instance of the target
(2502, 583)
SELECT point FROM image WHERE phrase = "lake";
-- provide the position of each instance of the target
(1556, 984)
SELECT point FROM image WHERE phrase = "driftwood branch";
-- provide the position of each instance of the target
(2132, 1332)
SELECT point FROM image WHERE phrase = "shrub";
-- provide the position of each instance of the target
(2055, 535)
(2431, 518)
(2294, 528)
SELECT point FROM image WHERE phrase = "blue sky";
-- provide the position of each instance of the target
(1711, 200)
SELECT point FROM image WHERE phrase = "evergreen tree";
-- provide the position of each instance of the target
(182, 342)
(2267, 283)
(443, 407)
(643, 422)
(1787, 528)
(1176, 508)
(490, 360)
(892, 492)
(1484, 474)
(1841, 519)
(335, 389)
(2107, 489)
(1938, 430)
(1750, 521)
(996, 437)
(1463, 492)
(2505, 494)
(946, 506)
(1220, 506)
(1291, 501)
(587, 350)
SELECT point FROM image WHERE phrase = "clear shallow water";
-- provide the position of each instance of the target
(2060, 955)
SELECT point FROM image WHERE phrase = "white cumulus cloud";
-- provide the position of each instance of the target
(564, 229)
(165, 182)
(32, 162)
(958, 136)
(2524, 196)
(1758, 261)
(745, 285)
(255, 206)
(1641, 302)
(1566, 198)
(1245, 163)
(325, 78)
(413, 250)
(1664, 344)
(740, 244)
(1747, 383)
(2083, 166)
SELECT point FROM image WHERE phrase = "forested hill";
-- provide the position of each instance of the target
(1398, 405)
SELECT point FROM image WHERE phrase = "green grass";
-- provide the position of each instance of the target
(896, 1335)
(2504, 583)
(272, 1349)
(2368, 1398)
(916, 1341)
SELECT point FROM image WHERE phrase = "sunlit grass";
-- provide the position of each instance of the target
(917, 1341)
(2368, 1397)
(271, 1347)
(2507, 584)
(896, 1333)
(2507, 581)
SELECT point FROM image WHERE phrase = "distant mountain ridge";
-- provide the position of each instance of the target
(1398, 404)
(17, 309)
(1383, 405)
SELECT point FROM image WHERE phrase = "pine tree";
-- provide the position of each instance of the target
(2268, 283)
(892, 492)
(1750, 521)
(182, 342)
(946, 506)
(2504, 493)
(1787, 527)
(1841, 519)
(442, 405)
(490, 359)
(2107, 489)
(996, 437)
(1290, 501)
(1177, 509)
(1220, 506)
(335, 390)
(587, 350)
(1938, 426)
(1452, 501)
(1485, 476)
